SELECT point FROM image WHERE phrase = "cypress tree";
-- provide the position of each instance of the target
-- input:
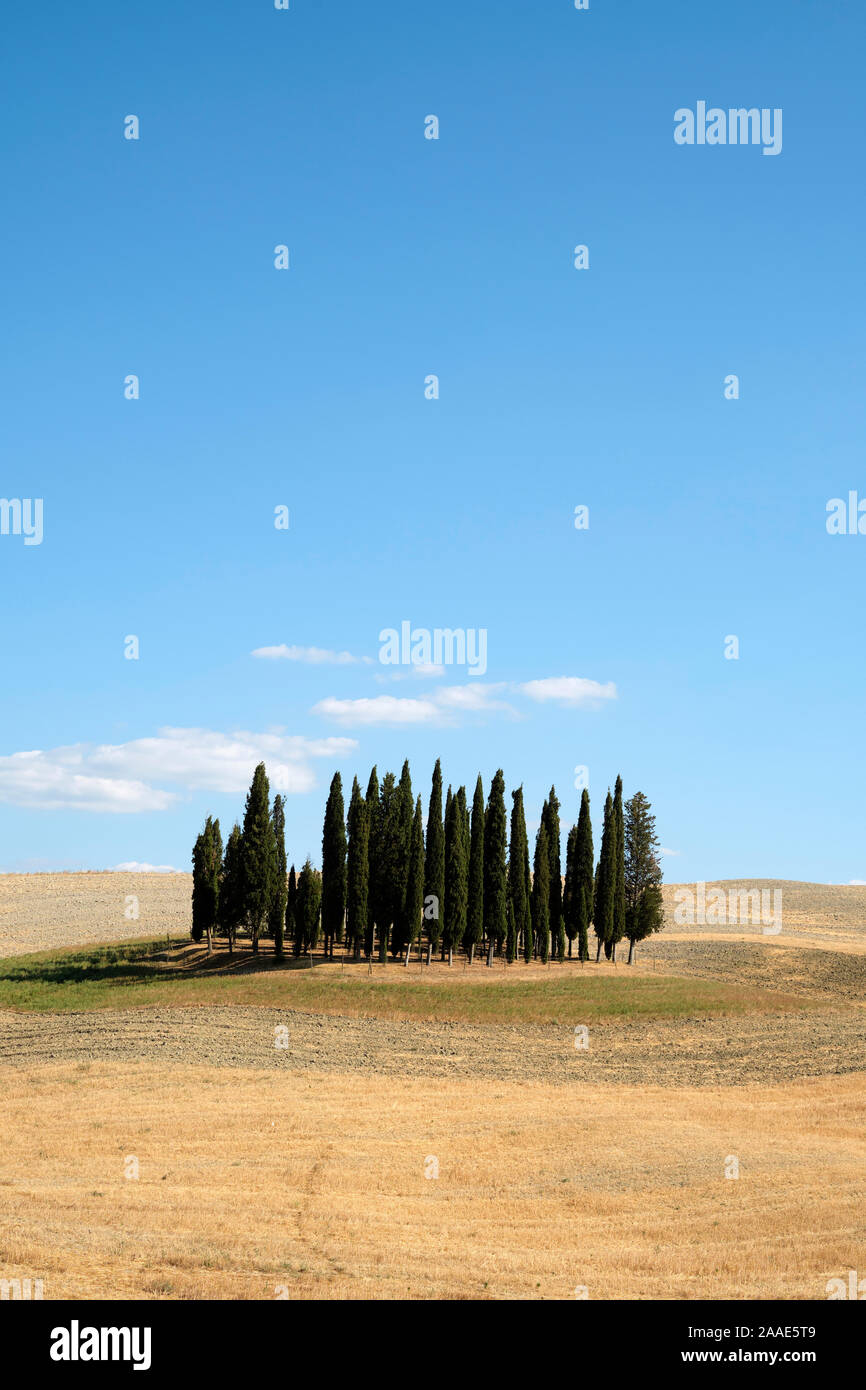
(434, 869)
(415, 882)
(231, 899)
(510, 934)
(605, 881)
(308, 906)
(584, 876)
(389, 851)
(570, 908)
(291, 913)
(475, 907)
(258, 856)
(518, 874)
(642, 873)
(456, 875)
(554, 833)
(374, 813)
(495, 873)
(357, 907)
(206, 873)
(618, 931)
(280, 898)
(405, 817)
(198, 873)
(541, 895)
(333, 866)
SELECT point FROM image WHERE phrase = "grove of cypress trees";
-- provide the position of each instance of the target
(259, 855)
(584, 876)
(518, 874)
(358, 873)
(475, 906)
(541, 895)
(605, 882)
(618, 931)
(414, 899)
(495, 872)
(456, 876)
(333, 866)
(281, 889)
(434, 866)
(643, 873)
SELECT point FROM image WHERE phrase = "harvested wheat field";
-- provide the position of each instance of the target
(185, 1127)
(252, 1183)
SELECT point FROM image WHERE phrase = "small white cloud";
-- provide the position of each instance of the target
(442, 707)
(857, 883)
(573, 691)
(671, 852)
(134, 867)
(310, 656)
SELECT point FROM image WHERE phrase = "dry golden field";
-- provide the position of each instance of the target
(430, 1134)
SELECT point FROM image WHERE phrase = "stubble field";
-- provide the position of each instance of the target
(429, 1134)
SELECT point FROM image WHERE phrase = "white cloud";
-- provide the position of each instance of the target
(134, 867)
(857, 883)
(672, 852)
(125, 777)
(310, 656)
(574, 691)
(439, 708)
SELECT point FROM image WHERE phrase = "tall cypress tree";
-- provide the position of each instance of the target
(552, 826)
(434, 869)
(456, 875)
(605, 881)
(541, 895)
(570, 909)
(475, 908)
(584, 876)
(281, 887)
(374, 816)
(518, 873)
(333, 866)
(291, 912)
(308, 906)
(643, 873)
(618, 931)
(231, 900)
(495, 873)
(198, 878)
(206, 873)
(414, 900)
(259, 856)
(357, 907)
(405, 817)
(389, 851)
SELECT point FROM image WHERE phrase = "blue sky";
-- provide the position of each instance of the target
(558, 387)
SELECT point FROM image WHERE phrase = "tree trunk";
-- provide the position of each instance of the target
(598, 952)
(490, 953)
(471, 951)
(429, 951)
(570, 944)
(450, 956)
(358, 950)
(631, 951)
(209, 942)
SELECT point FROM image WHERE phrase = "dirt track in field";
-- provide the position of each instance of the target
(693, 1052)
